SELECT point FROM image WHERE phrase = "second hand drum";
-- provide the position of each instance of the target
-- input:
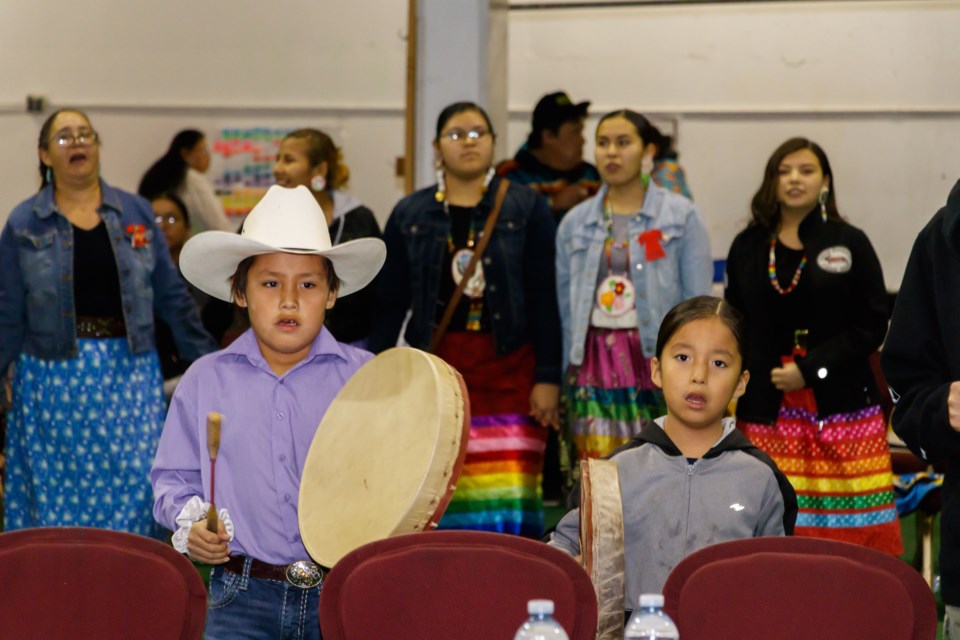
(387, 455)
(601, 542)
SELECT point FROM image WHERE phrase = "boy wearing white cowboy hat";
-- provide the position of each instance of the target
(272, 385)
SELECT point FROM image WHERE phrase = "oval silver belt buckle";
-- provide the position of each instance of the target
(304, 574)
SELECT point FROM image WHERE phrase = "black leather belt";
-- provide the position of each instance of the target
(303, 573)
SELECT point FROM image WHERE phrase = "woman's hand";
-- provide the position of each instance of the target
(206, 546)
(788, 377)
(544, 404)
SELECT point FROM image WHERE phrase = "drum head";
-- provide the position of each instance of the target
(386, 455)
(601, 542)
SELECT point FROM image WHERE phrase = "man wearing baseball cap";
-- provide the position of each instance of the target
(551, 160)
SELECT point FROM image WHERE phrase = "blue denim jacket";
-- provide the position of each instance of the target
(518, 265)
(36, 281)
(686, 271)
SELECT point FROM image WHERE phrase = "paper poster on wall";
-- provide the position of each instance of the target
(242, 165)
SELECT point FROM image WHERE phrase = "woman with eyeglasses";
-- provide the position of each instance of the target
(309, 157)
(173, 219)
(503, 334)
(82, 269)
(625, 257)
(180, 171)
(811, 289)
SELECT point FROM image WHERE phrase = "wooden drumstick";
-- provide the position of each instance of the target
(213, 446)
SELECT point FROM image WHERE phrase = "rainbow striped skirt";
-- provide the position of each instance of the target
(841, 471)
(607, 397)
(500, 486)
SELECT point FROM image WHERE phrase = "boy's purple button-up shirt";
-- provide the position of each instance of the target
(268, 425)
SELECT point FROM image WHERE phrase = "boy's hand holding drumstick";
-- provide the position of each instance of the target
(208, 538)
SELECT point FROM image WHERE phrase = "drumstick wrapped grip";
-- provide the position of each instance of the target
(213, 447)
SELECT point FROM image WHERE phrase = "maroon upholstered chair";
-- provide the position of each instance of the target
(792, 588)
(77, 582)
(452, 584)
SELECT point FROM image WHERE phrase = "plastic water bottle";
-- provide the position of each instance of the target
(649, 622)
(540, 625)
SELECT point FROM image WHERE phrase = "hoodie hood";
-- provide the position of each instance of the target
(951, 219)
(344, 203)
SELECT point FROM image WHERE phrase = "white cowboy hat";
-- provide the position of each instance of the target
(284, 221)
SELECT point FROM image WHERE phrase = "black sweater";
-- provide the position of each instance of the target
(840, 300)
(920, 360)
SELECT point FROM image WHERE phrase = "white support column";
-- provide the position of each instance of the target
(461, 55)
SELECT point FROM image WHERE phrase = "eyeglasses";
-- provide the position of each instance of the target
(459, 135)
(170, 220)
(82, 139)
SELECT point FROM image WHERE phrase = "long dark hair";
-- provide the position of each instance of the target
(460, 107)
(320, 148)
(765, 207)
(167, 173)
(702, 308)
(647, 132)
(44, 138)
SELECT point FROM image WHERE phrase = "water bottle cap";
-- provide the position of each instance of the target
(651, 600)
(540, 606)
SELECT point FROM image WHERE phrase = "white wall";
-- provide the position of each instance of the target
(143, 70)
(874, 82)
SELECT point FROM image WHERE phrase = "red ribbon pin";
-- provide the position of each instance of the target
(652, 244)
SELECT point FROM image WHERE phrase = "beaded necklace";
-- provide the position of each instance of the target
(461, 258)
(608, 223)
(772, 269)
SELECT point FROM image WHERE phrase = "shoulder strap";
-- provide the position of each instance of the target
(468, 272)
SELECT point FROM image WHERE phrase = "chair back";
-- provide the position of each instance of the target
(792, 588)
(78, 582)
(452, 584)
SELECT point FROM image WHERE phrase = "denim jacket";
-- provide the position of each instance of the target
(36, 280)
(518, 265)
(684, 272)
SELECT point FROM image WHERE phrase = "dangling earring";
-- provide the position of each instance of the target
(318, 183)
(441, 185)
(646, 168)
(486, 180)
(824, 194)
(49, 175)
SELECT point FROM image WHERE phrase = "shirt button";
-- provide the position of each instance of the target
(286, 497)
(295, 539)
(486, 261)
(279, 415)
(282, 458)
(639, 266)
(493, 288)
(496, 316)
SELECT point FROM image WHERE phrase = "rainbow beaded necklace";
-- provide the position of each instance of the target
(772, 269)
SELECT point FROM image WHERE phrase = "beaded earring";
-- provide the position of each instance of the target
(822, 199)
(441, 185)
(646, 168)
(488, 178)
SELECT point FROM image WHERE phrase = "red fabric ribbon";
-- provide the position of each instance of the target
(139, 235)
(651, 241)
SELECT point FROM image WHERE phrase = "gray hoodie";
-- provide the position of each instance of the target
(672, 507)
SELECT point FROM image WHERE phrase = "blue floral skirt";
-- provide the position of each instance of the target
(81, 437)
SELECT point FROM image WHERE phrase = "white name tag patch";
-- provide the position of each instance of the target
(836, 259)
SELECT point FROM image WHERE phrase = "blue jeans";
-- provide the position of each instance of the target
(241, 607)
